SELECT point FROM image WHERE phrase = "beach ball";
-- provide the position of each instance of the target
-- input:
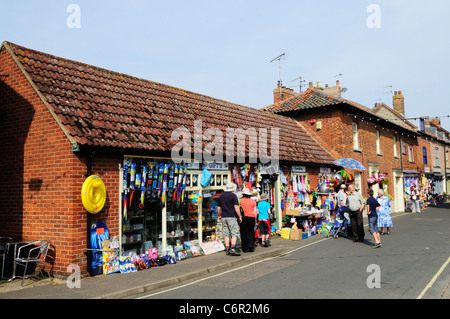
(196, 198)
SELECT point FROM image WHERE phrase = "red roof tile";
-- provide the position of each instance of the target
(103, 108)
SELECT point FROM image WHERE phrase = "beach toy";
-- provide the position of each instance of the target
(93, 194)
(196, 199)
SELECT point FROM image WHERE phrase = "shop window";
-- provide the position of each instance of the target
(425, 158)
(167, 222)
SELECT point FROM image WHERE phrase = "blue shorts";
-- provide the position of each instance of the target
(373, 227)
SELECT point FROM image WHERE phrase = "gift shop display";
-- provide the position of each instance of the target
(154, 209)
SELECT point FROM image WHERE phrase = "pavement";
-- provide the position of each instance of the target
(117, 285)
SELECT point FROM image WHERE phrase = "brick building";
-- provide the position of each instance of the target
(62, 121)
(348, 129)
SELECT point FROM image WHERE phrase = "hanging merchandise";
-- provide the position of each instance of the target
(196, 198)
(143, 184)
(336, 180)
(125, 191)
(99, 233)
(294, 184)
(206, 177)
(244, 173)
(237, 179)
(164, 185)
(93, 194)
(183, 186)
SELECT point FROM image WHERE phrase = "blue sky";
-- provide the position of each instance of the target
(223, 48)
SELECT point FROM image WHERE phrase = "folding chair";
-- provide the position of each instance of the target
(37, 255)
(4, 250)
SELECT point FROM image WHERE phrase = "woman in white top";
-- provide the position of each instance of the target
(415, 198)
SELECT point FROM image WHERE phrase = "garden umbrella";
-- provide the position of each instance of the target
(350, 163)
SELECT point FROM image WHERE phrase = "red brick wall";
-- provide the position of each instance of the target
(337, 137)
(42, 177)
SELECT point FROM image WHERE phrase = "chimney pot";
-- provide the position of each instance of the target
(337, 82)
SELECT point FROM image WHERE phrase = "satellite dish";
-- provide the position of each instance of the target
(343, 90)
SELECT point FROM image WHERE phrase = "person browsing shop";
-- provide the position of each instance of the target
(263, 208)
(248, 221)
(415, 198)
(372, 212)
(227, 210)
(356, 205)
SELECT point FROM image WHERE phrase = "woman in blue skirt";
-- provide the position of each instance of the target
(384, 213)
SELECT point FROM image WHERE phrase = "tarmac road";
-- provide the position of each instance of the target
(412, 263)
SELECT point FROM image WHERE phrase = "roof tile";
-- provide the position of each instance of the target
(105, 108)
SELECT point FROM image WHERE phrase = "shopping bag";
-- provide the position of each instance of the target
(206, 177)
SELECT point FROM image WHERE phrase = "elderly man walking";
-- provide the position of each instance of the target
(356, 205)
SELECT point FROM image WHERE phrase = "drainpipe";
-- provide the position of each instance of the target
(403, 173)
(88, 220)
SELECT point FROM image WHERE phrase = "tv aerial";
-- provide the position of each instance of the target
(300, 82)
(279, 58)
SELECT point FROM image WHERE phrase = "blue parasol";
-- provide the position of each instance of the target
(350, 163)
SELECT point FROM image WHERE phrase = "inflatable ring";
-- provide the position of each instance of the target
(93, 194)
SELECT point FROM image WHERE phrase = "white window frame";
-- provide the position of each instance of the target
(355, 130)
(378, 133)
(410, 154)
(437, 157)
(395, 146)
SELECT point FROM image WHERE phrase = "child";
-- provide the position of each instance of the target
(372, 207)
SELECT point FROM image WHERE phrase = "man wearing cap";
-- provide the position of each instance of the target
(227, 209)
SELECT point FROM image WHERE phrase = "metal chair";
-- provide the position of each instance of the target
(37, 255)
(4, 250)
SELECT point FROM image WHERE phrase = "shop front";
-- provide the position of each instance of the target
(164, 205)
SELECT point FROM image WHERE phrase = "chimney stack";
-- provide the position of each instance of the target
(282, 93)
(436, 122)
(398, 102)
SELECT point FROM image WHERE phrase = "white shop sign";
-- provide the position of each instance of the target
(221, 166)
(298, 169)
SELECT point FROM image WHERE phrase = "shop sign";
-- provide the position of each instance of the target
(268, 168)
(437, 170)
(426, 169)
(193, 165)
(298, 169)
(325, 170)
(212, 247)
(218, 166)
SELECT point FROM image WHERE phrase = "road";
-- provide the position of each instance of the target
(412, 263)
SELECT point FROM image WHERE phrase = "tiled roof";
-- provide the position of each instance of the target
(309, 99)
(99, 107)
(315, 98)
